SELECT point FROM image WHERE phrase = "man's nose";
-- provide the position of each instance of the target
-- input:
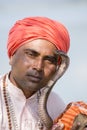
(39, 65)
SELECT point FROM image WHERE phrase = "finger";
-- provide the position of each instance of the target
(58, 126)
(85, 128)
(76, 127)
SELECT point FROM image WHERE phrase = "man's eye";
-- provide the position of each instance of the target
(29, 54)
(52, 60)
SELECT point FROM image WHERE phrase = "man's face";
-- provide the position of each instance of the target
(33, 65)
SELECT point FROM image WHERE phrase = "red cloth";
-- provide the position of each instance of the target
(31, 28)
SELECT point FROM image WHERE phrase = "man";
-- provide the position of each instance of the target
(32, 43)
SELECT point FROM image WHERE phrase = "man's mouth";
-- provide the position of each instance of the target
(34, 78)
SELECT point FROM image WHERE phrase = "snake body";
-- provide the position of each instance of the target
(42, 107)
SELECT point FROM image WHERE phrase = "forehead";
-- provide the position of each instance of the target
(41, 46)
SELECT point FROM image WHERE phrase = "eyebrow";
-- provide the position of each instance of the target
(31, 50)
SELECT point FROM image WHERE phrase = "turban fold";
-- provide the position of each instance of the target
(32, 28)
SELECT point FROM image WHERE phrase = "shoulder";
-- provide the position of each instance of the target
(1, 82)
(54, 97)
(0, 79)
(55, 105)
(1, 76)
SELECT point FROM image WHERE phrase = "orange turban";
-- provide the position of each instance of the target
(32, 28)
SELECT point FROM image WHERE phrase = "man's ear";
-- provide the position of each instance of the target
(11, 60)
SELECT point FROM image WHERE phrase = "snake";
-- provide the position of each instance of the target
(45, 118)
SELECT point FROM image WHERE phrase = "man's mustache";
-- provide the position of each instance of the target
(35, 73)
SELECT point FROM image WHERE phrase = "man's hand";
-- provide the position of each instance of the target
(76, 126)
(58, 126)
(80, 122)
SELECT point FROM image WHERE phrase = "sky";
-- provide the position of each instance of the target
(73, 14)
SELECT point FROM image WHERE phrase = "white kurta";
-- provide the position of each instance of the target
(26, 110)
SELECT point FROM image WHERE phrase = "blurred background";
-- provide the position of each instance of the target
(73, 14)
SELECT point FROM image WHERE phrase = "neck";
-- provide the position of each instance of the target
(27, 93)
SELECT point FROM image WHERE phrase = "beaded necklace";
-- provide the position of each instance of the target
(12, 121)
